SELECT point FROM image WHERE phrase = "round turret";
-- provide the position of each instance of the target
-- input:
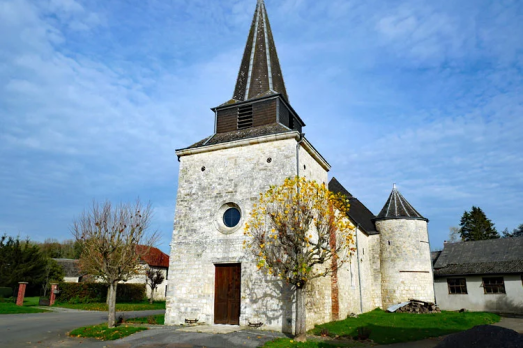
(406, 267)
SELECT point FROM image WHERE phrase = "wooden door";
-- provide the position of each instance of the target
(227, 294)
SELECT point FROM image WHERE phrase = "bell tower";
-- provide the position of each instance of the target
(260, 97)
(257, 142)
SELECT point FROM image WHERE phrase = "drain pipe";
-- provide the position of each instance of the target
(359, 271)
(302, 137)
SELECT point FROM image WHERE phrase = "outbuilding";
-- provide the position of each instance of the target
(482, 275)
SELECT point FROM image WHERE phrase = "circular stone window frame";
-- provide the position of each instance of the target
(218, 218)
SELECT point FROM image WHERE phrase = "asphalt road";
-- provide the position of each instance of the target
(50, 329)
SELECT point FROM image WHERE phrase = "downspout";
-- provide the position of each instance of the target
(359, 271)
(302, 135)
(432, 265)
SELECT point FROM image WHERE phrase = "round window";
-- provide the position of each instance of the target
(231, 217)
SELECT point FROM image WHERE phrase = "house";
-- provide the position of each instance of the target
(483, 275)
(154, 259)
(258, 141)
(72, 272)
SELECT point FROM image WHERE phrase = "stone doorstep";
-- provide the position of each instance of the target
(212, 329)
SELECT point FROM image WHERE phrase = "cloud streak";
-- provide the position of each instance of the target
(96, 96)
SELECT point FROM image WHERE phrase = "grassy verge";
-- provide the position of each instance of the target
(121, 307)
(31, 301)
(311, 343)
(386, 328)
(102, 332)
(9, 307)
(152, 319)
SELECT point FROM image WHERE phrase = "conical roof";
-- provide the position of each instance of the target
(260, 72)
(397, 207)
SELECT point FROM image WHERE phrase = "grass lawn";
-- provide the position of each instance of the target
(386, 328)
(312, 343)
(152, 319)
(121, 307)
(102, 332)
(12, 308)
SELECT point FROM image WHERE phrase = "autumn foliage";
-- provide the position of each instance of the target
(292, 229)
(300, 231)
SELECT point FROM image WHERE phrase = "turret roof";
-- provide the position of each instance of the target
(397, 207)
(260, 71)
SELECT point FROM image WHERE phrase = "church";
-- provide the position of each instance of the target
(258, 141)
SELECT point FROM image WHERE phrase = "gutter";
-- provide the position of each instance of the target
(258, 140)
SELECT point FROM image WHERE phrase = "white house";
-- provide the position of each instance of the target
(484, 275)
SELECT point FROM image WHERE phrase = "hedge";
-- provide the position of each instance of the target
(6, 292)
(97, 292)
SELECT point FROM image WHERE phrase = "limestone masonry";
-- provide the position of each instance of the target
(258, 142)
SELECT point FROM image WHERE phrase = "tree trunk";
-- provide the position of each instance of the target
(111, 319)
(301, 315)
(152, 296)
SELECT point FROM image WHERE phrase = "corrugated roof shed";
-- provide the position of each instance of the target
(494, 256)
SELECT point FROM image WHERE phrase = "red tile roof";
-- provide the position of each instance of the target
(153, 257)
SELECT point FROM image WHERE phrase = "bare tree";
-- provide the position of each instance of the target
(109, 236)
(153, 278)
(454, 235)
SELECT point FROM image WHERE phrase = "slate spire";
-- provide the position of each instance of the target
(397, 207)
(260, 72)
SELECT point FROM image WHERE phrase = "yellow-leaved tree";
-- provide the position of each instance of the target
(299, 231)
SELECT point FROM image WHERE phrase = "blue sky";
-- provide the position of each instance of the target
(95, 96)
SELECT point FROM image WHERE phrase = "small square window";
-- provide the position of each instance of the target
(457, 286)
(494, 285)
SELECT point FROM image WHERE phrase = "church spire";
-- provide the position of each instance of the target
(260, 72)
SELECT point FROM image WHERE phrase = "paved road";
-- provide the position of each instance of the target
(50, 329)
(174, 337)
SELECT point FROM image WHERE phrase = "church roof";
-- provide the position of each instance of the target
(260, 72)
(493, 256)
(219, 138)
(358, 212)
(397, 207)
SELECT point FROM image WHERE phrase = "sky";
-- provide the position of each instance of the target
(96, 96)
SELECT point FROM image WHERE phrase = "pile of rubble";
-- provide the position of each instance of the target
(414, 306)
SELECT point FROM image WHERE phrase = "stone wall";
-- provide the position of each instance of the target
(406, 268)
(349, 278)
(207, 182)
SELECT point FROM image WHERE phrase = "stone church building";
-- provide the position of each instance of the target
(258, 141)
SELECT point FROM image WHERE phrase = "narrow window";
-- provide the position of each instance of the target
(245, 117)
(457, 286)
(494, 285)
(291, 122)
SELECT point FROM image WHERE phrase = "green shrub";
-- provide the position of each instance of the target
(6, 292)
(97, 292)
(130, 292)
